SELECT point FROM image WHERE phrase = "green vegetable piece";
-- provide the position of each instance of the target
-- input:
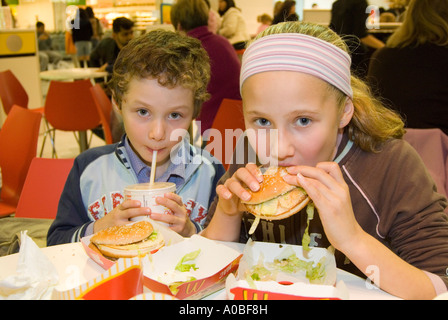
(184, 266)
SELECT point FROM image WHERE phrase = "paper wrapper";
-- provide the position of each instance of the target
(36, 276)
(123, 281)
(169, 236)
(214, 263)
(284, 285)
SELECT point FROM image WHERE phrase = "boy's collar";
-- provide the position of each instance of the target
(176, 168)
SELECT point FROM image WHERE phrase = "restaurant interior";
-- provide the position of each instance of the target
(53, 131)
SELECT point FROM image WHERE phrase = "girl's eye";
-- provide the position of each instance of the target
(175, 115)
(262, 122)
(303, 122)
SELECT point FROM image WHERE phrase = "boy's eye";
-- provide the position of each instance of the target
(142, 112)
(262, 122)
(303, 122)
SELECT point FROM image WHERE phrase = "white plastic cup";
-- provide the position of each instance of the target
(147, 194)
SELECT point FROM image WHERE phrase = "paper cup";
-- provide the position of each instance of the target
(147, 194)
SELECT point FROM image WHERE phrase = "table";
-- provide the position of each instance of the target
(72, 74)
(75, 268)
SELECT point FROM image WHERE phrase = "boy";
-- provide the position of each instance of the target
(159, 84)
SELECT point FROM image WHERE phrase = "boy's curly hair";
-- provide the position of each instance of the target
(171, 58)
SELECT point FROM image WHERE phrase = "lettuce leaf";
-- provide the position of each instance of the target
(187, 262)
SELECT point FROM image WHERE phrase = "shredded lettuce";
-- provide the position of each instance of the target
(187, 261)
(306, 236)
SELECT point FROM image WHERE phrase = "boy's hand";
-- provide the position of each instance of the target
(179, 220)
(121, 215)
(232, 191)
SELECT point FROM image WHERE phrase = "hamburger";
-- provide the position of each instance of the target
(276, 199)
(130, 240)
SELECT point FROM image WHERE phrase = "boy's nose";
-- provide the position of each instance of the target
(157, 130)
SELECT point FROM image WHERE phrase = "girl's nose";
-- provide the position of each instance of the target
(282, 146)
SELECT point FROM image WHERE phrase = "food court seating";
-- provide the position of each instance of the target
(229, 122)
(432, 146)
(43, 187)
(18, 142)
(12, 92)
(104, 107)
(69, 106)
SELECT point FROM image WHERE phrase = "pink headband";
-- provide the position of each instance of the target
(300, 53)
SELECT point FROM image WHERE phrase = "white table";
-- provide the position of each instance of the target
(72, 74)
(75, 268)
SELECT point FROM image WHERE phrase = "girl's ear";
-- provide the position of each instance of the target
(347, 113)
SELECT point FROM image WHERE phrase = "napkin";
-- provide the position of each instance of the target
(35, 276)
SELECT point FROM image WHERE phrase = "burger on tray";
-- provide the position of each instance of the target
(128, 241)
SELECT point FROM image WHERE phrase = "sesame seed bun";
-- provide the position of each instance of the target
(130, 240)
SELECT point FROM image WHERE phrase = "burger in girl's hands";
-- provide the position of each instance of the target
(276, 199)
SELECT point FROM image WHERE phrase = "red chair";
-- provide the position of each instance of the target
(18, 142)
(12, 92)
(43, 187)
(69, 106)
(104, 107)
(229, 117)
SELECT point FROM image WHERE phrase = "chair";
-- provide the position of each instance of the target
(432, 146)
(69, 106)
(13, 93)
(228, 118)
(104, 107)
(43, 187)
(18, 142)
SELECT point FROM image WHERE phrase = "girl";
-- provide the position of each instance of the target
(376, 202)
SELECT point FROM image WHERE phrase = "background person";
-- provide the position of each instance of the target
(233, 26)
(348, 19)
(81, 35)
(411, 72)
(191, 16)
(46, 52)
(105, 54)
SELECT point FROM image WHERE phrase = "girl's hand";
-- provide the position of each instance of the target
(327, 188)
(178, 220)
(232, 191)
(121, 215)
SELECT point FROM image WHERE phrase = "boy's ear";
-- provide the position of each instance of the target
(347, 113)
(115, 107)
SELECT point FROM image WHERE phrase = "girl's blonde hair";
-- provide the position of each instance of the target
(372, 123)
(426, 21)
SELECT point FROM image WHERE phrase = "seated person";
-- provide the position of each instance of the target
(105, 54)
(46, 52)
(158, 86)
